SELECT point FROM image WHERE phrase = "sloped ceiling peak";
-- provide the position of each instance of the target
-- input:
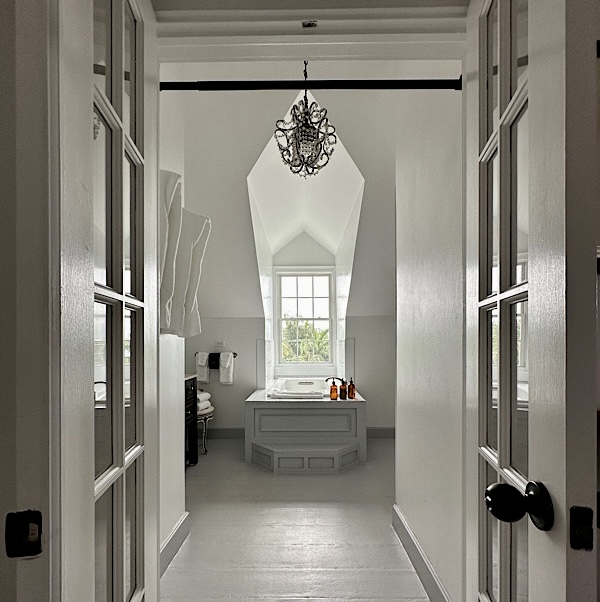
(289, 204)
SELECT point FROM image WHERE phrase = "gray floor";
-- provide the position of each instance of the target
(259, 536)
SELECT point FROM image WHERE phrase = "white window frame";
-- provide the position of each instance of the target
(304, 368)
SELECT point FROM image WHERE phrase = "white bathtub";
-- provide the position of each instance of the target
(299, 388)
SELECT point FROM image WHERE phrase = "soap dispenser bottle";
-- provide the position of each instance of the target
(333, 390)
(343, 390)
(351, 390)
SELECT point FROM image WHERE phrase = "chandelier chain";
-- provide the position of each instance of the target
(306, 141)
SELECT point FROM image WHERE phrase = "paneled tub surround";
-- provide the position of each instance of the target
(301, 436)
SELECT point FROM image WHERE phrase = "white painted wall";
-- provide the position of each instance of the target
(303, 250)
(430, 290)
(225, 133)
(172, 440)
(171, 348)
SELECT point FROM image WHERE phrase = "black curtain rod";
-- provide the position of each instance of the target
(319, 84)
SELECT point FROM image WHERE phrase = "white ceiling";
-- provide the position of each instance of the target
(229, 30)
(354, 34)
(319, 205)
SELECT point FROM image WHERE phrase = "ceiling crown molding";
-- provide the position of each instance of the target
(405, 32)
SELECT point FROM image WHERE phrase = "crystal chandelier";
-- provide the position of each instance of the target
(306, 141)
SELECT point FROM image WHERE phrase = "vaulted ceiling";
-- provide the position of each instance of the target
(319, 205)
(339, 37)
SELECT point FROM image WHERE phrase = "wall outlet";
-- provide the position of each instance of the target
(220, 344)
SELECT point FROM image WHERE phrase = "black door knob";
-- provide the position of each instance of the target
(507, 504)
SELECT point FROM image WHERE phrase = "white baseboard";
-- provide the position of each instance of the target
(431, 582)
(225, 433)
(175, 540)
(381, 432)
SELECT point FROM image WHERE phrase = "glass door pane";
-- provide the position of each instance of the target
(129, 377)
(492, 67)
(520, 561)
(104, 544)
(491, 382)
(102, 224)
(131, 530)
(519, 140)
(129, 79)
(103, 402)
(129, 223)
(491, 213)
(492, 539)
(520, 41)
(520, 390)
(102, 45)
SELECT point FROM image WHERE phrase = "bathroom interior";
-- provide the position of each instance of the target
(392, 147)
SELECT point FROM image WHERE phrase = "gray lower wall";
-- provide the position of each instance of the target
(239, 335)
(375, 360)
(375, 365)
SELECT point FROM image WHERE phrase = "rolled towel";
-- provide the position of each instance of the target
(203, 396)
(202, 405)
(202, 367)
(207, 410)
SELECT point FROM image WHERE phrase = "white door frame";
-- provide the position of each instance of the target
(28, 363)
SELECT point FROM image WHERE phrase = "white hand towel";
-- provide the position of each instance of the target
(202, 396)
(226, 368)
(202, 405)
(202, 367)
(207, 410)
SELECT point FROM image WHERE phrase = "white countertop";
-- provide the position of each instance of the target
(261, 395)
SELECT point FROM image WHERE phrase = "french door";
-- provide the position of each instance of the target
(109, 441)
(532, 253)
(119, 301)
(504, 291)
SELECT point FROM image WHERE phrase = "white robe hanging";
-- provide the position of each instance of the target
(184, 236)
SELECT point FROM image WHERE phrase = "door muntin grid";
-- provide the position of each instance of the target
(504, 286)
(118, 243)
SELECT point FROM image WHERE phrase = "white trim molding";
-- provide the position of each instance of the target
(174, 541)
(187, 33)
(431, 582)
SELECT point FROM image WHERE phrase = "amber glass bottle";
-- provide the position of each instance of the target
(333, 390)
(343, 390)
(351, 390)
